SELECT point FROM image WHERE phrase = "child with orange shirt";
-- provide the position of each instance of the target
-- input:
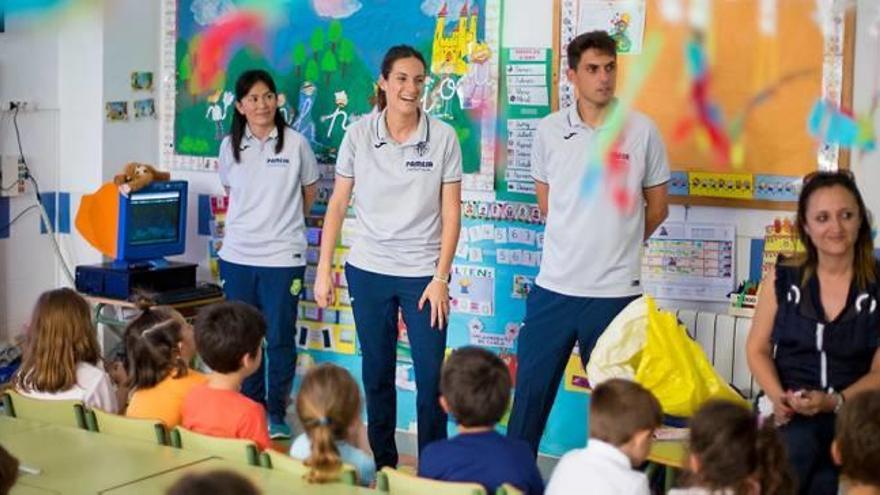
(229, 338)
(159, 345)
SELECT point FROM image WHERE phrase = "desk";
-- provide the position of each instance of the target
(669, 454)
(117, 323)
(267, 480)
(80, 461)
(15, 426)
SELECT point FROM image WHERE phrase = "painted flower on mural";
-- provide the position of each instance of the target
(336, 9)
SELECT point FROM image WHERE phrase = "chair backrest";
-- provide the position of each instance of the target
(397, 483)
(233, 449)
(283, 462)
(60, 412)
(508, 489)
(148, 430)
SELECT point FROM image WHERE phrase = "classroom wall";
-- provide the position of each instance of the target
(866, 166)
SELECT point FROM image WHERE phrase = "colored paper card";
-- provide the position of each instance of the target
(721, 185)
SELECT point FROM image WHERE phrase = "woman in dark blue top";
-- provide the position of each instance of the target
(814, 337)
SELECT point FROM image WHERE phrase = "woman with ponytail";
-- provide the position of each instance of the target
(329, 408)
(404, 168)
(730, 454)
(271, 175)
(159, 347)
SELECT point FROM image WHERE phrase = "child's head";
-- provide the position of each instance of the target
(217, 482)
(328, 404)
(229, 337)
(158, 342)
(60, 336)
(475, 387)
(729, 451)
(856, 446)
(625, 415)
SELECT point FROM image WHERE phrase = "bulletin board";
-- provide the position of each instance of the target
(793, 68)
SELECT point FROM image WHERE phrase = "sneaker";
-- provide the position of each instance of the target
(279, 431)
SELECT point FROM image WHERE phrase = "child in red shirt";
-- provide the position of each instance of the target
(229, 337)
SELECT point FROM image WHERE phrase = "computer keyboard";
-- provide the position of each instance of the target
(186, 294)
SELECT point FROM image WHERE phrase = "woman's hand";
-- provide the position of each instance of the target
(782, 410)
(324, 289)
(811, 402)
(437, 294)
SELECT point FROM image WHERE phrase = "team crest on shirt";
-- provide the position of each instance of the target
(277, 161)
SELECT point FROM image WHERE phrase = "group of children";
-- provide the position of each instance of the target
(729, 451)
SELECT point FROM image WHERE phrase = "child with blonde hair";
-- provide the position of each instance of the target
(159, 347)
(329, 408)
(62, 360)
(730, 454)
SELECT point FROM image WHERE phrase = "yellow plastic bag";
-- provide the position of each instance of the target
(675, 369)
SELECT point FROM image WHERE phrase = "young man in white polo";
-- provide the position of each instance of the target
(590, 266)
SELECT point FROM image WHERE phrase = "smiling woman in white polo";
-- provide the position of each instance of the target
(404, 168)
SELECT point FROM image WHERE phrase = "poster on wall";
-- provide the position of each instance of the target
(325, 59)
(624, 20)
(526, 82)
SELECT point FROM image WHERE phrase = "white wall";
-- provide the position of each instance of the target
(867, 166)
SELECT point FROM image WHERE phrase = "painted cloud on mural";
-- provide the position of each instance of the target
(336, 9)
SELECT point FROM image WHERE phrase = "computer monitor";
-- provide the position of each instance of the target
(152, 224)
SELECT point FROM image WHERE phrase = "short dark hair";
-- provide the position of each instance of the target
(476, 385)
(858, 438)
(216, 482)
(226, 331)
(620, 408)
(595, 40)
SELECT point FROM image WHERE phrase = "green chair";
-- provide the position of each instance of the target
(283, 462)
(508, 489)
(233, 449)
(60, 412)
(396, 483)
(148, 430)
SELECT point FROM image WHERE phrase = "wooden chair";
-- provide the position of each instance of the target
(396, 483)
(276, 460)
(60, 412)
(148, 430)
(233, 449)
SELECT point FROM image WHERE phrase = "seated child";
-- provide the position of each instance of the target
(475, 391)
(160, 345)
(216, 482)
(329, 409)
(116, 366)
(729, 453)
(229, 339)
(623, 417)
(856, 446)
(62, 360)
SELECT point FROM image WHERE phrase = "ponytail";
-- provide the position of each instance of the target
(327, 405)
(324, 460)
(774, 470)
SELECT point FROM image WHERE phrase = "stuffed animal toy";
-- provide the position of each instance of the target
(137, 176)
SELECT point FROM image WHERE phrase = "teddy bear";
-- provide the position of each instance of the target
(136, 176)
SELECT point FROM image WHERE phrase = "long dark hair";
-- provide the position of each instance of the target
(394, 54)
(245, 82)
(864, 266)
(152, 343)
(731, 449)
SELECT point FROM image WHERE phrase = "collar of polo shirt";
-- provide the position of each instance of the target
(574, 118)
(421, 135)
(273, 134)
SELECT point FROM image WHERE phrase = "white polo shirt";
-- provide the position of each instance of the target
(397, 193)
(598, 468)
(592, 247)
(264, 222)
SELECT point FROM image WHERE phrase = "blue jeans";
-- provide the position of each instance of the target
(552, 325)
(275, 292)
(375, 301)
(808, 443)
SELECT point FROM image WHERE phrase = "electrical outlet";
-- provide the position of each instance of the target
(21, 105)
(11, 176)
